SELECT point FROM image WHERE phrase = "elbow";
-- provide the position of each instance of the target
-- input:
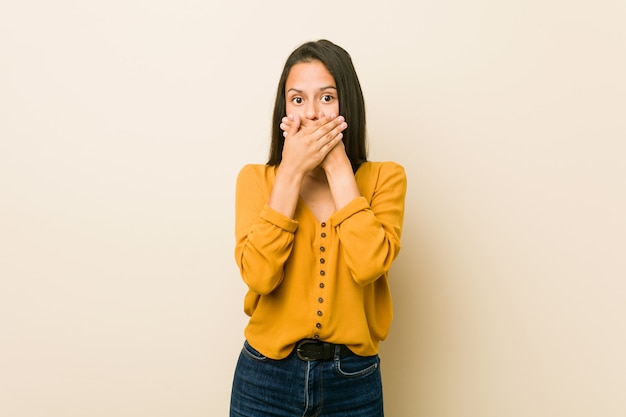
(259, 273)
(261, 283)
(367, 276)
(369, 269)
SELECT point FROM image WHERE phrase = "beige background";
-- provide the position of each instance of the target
(124, 123)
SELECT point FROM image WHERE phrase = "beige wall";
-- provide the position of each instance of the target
(124, 123)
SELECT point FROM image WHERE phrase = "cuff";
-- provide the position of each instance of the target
(353, 207)
(278, 219)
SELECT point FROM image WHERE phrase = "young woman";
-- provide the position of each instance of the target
(317, 229)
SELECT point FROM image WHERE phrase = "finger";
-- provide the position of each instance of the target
(294, 124)
(328, 141)
(313, 124)
(285, 123)
(289, 125)
(331, 128)
(331, 144)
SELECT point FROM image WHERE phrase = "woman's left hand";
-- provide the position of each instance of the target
(335, 156)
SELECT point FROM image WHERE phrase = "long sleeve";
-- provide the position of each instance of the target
(264, 237)
(370, 232)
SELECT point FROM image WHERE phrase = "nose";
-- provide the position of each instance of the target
(311, 111)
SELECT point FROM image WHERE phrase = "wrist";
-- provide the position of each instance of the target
(290, 172)
(337, 165)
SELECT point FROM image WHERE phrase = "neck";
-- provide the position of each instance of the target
(317, 174)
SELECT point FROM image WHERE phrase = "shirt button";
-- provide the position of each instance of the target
(322, 272)
(323, 224)
(322, 249)
(316, 336)
(320, 300)
(323, 234)
(321, 285)
(319, 313)
(322, 260)
(318, 325)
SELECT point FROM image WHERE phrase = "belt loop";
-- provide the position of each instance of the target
(328, 350)
(337, 353)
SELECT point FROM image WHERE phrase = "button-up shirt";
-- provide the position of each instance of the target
(323, 280)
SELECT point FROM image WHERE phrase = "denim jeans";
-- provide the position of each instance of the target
(347, 386)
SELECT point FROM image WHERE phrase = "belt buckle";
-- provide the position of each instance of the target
(300, 351)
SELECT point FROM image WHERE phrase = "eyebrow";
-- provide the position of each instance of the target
(321, 89)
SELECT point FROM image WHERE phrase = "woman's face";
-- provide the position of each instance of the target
(311, 90)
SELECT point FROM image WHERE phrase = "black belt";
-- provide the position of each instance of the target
(314, 350)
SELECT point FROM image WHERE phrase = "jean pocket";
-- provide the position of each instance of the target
(252, 353)
(356, 366)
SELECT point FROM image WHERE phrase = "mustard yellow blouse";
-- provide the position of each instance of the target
(323, 280)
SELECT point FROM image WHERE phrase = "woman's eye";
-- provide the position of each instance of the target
(327, 98)
(297, 100)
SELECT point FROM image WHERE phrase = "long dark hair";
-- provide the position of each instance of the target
(351, 102)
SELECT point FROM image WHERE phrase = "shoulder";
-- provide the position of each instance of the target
(255, 168)
(256, 172)
(381, 170)
(380, 177)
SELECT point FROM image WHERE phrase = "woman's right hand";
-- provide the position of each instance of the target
(307, 142)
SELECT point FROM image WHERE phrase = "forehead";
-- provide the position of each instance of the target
(312, 74)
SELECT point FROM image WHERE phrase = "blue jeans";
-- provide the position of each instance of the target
(347, 386)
